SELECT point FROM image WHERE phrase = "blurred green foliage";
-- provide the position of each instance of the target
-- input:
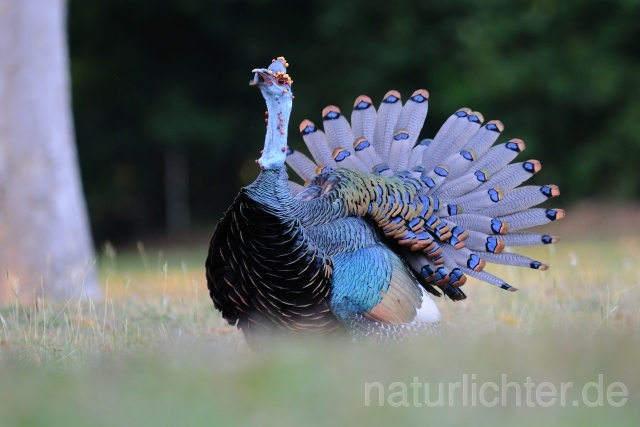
(154, 75)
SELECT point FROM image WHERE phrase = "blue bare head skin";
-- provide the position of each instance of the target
(274, 82)
(275, 85)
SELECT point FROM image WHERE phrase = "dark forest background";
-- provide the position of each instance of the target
(167, 126)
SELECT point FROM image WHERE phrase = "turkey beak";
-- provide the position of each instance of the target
(261, 77)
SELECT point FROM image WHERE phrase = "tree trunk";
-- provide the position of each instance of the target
(44, 230)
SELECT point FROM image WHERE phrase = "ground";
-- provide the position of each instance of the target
(155, 352)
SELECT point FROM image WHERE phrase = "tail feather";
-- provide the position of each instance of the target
(532, 218)
(434, 178)
(459, 162)
(489, 278)
(345, 158)
(485, 137)
(399, 150)
(363, 118)
(450, 138)
(386, 122)
(515, 260)
(365, 151)
(512, 175)
(317, 144)
(481, 223)
(528, 239)
(301, 164)
(464, 184)
(480, 200)
(336, 128)
(407, 129)
(522, 198)
(417, 152)
(464, 257)
(499, 156)
(413, 114)
(482, 242)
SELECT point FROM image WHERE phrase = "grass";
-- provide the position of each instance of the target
(155, 352)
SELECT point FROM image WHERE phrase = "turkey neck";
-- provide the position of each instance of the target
(275, 142)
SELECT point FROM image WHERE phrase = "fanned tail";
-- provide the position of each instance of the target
(473, 203)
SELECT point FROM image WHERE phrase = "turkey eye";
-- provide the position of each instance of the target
(281, 81)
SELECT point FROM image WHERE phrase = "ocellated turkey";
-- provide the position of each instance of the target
(383, 220)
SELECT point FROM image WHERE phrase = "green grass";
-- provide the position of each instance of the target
(155, 352)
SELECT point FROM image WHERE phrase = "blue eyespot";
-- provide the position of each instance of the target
(428, 182)
(309, 129)
(481, 175)
(528, 166)
(496, 226)
(441, 273)
(381, 168)
(473, 261)
(342, 155)
(455, 276)
(401, 136)
(492, 244)
(362, 145)
(440, 171)
(418, 98)
(513, 146)
(426, 271)
(467, 155)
